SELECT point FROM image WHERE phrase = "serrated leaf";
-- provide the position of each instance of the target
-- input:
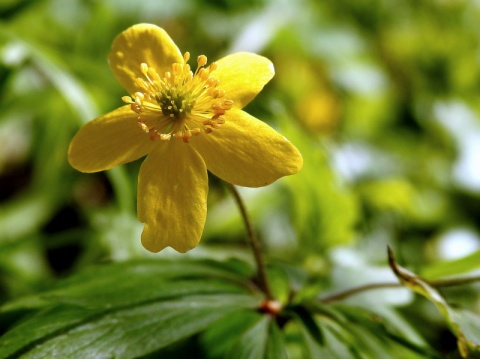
(456, 320)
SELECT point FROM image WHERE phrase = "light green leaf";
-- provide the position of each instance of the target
(465, 328)
(453, 267)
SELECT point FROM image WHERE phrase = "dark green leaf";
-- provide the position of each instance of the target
(126, 310)
(122, 333)
(114, 285)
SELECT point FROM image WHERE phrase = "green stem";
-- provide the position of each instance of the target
(363, 288)
(254, 244)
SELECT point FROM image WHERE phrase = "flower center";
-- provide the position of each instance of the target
(181, 104)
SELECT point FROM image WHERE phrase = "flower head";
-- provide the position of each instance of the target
(186, 122)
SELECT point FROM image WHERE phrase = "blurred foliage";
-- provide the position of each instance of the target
(380, 96)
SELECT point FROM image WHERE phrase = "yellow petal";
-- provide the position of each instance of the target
(108, 141)
(172, 197)
(247, 152)
(142, 43)
(243, 75)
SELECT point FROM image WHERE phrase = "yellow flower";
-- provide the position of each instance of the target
(186, 122)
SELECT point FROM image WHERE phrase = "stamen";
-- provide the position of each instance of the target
(201, 60)
(181, 103)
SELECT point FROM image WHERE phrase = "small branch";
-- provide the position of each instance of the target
(253, 242)
(372, 286)
(357, 290)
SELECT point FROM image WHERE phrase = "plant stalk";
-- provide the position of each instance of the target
(254, 244)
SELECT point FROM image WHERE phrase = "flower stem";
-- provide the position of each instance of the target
(254, 244)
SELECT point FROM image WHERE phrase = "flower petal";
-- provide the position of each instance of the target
(247, 152)
(172, 197)
(142, 43)
(108, 141)
(243, 75)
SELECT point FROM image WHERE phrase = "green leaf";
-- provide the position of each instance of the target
(464, 327)
(220, 339)
(306, 317)
(332, 347)
(245, 334)
(252, 343)
(121, 333)
(352, 332)
(126, 310)
(111, 285)
(453, 267)
(377, 339)
(276, 348)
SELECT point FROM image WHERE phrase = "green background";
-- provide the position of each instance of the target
(380, 96)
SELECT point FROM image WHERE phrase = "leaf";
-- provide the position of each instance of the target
(309, 323)
(276, 348)
(462, 326)
(245, 334)
(454, 267)
(331, 348)
(375, 336)
(219, 339)
(352, 332)
(252, 343)
(122, 333)
(112, 285)
(126, 310)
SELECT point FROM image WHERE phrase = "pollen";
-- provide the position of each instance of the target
(180, 104)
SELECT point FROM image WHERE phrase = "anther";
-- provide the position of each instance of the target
(135, 108)
(143, 127)
(180, 96)
(213, 82)
(154, 135)
(186, 136)
(218, 93)
(201, 60)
